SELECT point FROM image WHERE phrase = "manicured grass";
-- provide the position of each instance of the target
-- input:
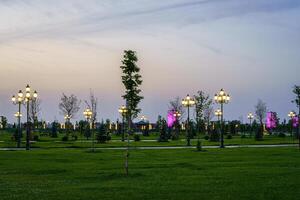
(244, 173)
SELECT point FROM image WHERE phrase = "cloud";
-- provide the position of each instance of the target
(25, 19)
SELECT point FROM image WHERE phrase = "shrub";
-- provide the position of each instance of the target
(136, 137)
(243, 136)
(214, 135)
(163, 132)
(36, 138)
(206, 137)
(282, 135)
(101, 138)
(75, 137)
(65, 138)
(199, 145)
(229, 136)
(259, 133)
(108, 137)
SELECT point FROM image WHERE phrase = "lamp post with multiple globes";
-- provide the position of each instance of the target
(250, 116)
(218, 114)
(222, 98)
(18, 101)
(123, 111)
(291, 115)
(188, 102)
(88, 115)
(177, 115)
(21, 98)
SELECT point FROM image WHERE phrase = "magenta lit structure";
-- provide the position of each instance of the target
(171, 119)
(271, 121)
(295, 121)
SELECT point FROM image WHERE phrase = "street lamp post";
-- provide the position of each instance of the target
(29, 97)
(88, 115)
(67, 123)
(250, 116)
(177, 115)
(291, 115)
(188, 102)
(222, 98)
(123, 111)
(18, 101)
(218, 113)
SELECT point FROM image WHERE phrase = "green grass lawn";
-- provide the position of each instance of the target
(245, 173)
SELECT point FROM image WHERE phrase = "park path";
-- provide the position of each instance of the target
(167, 147)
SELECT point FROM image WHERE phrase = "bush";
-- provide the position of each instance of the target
(282, 135)
(75, 137)
(259, 133)
(101, 138)
(136, 137)
(199, 145)
(206, 137)
(215, 135)
(229, 136)
(108, 137)
(36, 138)
(65, 138)
(243, 136)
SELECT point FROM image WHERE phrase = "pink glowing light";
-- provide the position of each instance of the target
(271, 122)
(295, 121)
(171, 119)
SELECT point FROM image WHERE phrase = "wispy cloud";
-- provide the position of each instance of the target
(62, 18)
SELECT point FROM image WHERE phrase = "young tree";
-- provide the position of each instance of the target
(208, 114)
(131, 80)
(34, 110)
(176, 105)
(296, 91)
(69, 106)
(260, 111)
(202, 106)
(92, 104)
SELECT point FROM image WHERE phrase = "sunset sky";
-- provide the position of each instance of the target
(248, 47)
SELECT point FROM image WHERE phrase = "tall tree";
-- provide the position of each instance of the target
(260, 111)
(296, 91)
(203, 103)
(92, 104)
(131, 80)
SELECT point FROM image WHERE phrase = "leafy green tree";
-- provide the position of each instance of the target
(203, 102)
(131, 80)
(296, 91)
(3, 122)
